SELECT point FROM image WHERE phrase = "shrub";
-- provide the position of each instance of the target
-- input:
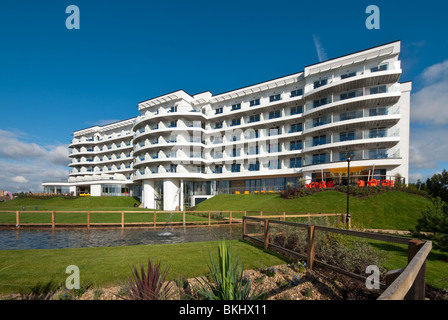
(226, 281)
(149, 284)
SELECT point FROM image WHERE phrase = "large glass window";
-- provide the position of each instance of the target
(320, 102)
(236, 106)
(377, 133)
(319, 158)
(296, 127)
(296, 145)
(235, 167)
(254, 166)
(254, 118)
(379, 89)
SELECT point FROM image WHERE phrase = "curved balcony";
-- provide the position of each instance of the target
(153, 118)
(360, 100)
(361, 79)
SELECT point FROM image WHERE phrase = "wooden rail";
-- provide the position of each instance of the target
(224, 217)
(407, 283)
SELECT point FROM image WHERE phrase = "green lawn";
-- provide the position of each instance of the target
(109, 266)
(391, 210)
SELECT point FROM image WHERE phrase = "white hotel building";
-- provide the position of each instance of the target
(185, 148)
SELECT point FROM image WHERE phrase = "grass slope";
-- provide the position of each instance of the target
(391, 210)
(79, 203)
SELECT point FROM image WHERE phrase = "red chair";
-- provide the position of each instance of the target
(323, 184)
(330, 184)
(361, 183)
(373, 183)
(307, 185)
(385, 182)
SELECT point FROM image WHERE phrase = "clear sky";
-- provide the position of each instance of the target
(54, 81)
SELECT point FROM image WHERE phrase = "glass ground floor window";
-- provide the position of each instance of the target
(115, 190)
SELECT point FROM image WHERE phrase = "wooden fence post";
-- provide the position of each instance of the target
(52, 220)
(122, 219)
(183, 217)
(17, 218)
(155, 217)
(230, 217)
(244, 227)
(310, 252)
(266, 234)
(88, 219)
(209, 214)
(417, 291)
(284, 216)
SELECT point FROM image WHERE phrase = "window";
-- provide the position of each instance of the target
(381, 67)
(348, 75)
(236, 106)
(378, 111)
(274, 114)
(254, 102)
(275, 97)
(379, 89)
(274, 131)
(218, 125)
(343, 156)
(319, 140)
(235, 122)
(218, 110)
(377, 133)
(253, 134)
(274, 164)
(320, 121)
(173, 168)
(235, 152)
(253, 150)
(295, 162)
(297, 127)
(236, 167)
(320, 83)
(347, 95)
(319, 158)
(218, 169)
(274, 147)
(254, 166)
(295, 93)
(296, 110)
(173, 124)
(254, 118)
(173, 109)
(295, 145)
(320, 102)
(378, 154)
(347, 115)
(347, 136)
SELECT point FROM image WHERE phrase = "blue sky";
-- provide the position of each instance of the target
(54, 81)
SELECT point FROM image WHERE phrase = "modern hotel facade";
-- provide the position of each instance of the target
(299, 128)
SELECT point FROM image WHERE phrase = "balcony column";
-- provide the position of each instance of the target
(181, 195)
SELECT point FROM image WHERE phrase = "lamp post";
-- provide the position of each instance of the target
(348, 187)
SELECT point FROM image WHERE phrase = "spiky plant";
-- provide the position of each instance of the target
(149, 284)
(226, 281)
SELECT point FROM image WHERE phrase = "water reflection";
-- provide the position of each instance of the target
(82, 238)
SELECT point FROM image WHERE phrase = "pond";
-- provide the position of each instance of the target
(83, 238)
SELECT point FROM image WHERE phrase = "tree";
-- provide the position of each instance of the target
(437, 185)
(434, 220)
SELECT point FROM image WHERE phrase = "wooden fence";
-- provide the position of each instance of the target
(214, 217)
(407, 283)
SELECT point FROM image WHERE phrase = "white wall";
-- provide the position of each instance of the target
(148, 194)
(171, 194)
